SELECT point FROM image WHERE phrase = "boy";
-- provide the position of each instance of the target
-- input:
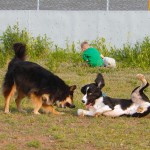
(91, 55)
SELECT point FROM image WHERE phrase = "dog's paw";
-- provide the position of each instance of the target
(61, 113)
(140, 76)
(36, 113)
(7, 112)
(140, 109)
(80, 113)
(22, 111)
(97, 114)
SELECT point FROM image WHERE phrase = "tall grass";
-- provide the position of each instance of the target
(136, 56)
(129, 56)
(41, 48)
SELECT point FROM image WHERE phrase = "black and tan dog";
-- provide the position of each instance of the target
(40, 85)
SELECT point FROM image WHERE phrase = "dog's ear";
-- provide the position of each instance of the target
(73, 87)
(84, 88)
(100, 81)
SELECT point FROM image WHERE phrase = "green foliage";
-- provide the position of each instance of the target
(68, 56)
(100, 44)
(3, 58)
(34, 143)
(136, 56)
(36, 46)
(39, 47)
(42, 49)
(10, 147)
(13, 34)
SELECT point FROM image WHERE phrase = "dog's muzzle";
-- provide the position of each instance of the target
(67, 105)
(70, 105)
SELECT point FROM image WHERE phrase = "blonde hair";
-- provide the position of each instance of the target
(83, 43)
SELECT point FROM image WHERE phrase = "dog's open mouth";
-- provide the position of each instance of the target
(88, 105)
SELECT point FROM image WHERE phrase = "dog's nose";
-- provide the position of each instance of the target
(83, 101)
(72, 106)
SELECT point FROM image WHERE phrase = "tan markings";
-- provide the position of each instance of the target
(140, 109)
(20, 96)
(67, 100)
(58, 103)
(8, 97)
(81, 115)
(142, 78)
(50, 108)
(97, 114)
(46, 97)
(37, 102)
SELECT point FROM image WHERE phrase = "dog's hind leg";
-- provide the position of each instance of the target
(37, 102)
(8, 93)
(138, 95)
(18, 101)
(144, 82)
(50, 108)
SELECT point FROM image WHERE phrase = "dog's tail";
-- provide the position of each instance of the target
(20, 51)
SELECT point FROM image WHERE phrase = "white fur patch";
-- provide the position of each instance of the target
(99, 103)
(84, 99)
(118, 111)
(100, 108)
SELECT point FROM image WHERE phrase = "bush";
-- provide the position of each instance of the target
(136, 56)
(13, 35)
(36, 46)
(39, 47)
(3, 58)
(42, 49)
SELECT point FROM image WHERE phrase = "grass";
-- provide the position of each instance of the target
(35, 144)
(69, 132)
(51, 132)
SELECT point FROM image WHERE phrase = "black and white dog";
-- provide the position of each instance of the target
(97, 104)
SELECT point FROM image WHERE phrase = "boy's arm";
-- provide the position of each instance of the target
(102, 56)
(85, 58)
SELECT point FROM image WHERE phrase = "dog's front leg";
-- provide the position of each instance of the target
(18, 102)
(82, 112)
(37, 102)
(102, 110)
(50, 108)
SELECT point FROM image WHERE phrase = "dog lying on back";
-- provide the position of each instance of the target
(97, 104)
(40, 85)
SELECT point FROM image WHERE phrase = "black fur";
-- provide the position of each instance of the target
(93, 92)
(112, 102)
(30, 78)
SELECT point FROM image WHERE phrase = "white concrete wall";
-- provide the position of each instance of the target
(117, 27)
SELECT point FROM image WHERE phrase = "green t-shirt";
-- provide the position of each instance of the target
(92, 57)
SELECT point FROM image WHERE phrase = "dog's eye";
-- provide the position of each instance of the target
(89, 93)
